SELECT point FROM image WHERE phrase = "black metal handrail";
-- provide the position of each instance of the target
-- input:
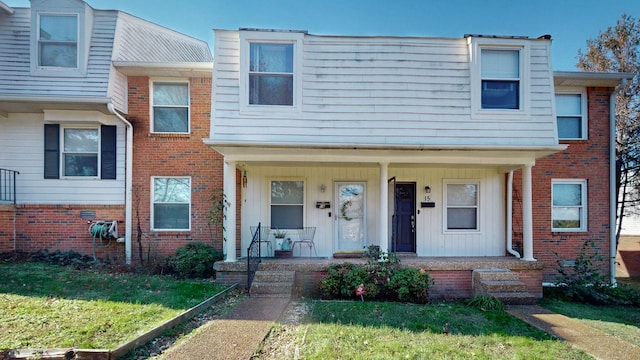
(8, 185)
(253, 257)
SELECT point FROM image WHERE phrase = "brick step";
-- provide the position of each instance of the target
(514, 298)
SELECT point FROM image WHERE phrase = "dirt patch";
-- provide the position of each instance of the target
(284, 340)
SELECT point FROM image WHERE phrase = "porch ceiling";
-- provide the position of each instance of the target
(507, 158)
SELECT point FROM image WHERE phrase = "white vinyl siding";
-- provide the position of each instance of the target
(23, 147)
(380, 91)
(431, 239)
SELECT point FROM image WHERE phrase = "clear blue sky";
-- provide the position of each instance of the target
(569, 22)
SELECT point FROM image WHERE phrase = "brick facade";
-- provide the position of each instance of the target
(583, 159)
(172, 155)
(7, 228)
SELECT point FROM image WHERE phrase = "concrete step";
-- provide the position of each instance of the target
(514, 298)
(273, 283)
(274, 276)
(494, 274)
(489, 286)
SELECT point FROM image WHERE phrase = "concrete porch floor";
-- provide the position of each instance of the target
(452, 276)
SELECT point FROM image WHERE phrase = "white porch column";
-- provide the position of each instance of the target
(383, 213)
(527, 214)
(230, 219)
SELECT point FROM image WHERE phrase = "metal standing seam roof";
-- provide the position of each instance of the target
(138, 40)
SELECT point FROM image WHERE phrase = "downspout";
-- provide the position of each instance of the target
(613, 209)
(510, 216)
(128, 178)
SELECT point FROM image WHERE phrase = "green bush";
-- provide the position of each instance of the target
(584, 283)
(410, 285)
(382, 280)
(485, 303)
(194, 260)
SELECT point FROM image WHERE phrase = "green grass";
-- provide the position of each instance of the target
(376, 330)
(620, 321)
(48, 306)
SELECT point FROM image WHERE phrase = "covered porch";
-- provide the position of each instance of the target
(458, 201)
(452, 276)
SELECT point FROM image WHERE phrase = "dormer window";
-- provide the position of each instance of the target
(500, 71)
(271, 71)
(58, 41)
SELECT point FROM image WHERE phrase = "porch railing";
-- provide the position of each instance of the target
(253, 257)
(8, 185)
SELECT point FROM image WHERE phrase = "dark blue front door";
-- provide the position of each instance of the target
(405, 217)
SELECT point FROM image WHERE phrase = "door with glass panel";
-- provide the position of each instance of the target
(350, 222)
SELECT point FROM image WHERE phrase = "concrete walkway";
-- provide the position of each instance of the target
(236, 335)
(593, 341)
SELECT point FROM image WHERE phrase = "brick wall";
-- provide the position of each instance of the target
(583, 159)
(173, 155)
(7, 228)
(66, 227)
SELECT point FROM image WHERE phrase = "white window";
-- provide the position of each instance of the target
(270, 74)
(270, 63)
(170, 103)
(171, 208)
(571, 112)
(287, 204)
(500, 84)
(80, 151)
(569, 204)
(58, 41)
(461, 205)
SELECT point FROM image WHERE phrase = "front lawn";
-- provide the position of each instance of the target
(48, 306)
(377, 330)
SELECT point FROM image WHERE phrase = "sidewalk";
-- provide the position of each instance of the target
(593, 341)
(236, 335)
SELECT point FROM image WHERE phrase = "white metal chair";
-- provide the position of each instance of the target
(265, 231)
(305, 236)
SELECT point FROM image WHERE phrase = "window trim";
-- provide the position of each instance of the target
(152, 83)
(152, 203)
(584, 108)
(584, 206)
(246, 38)
(445, 206)
(98, 128)
(304, 197)
(81, 46)
(476, 45)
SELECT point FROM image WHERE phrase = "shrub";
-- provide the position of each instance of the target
(585, 284)
(485, 303)
(194, 260)
(382, 280)
(410, 285)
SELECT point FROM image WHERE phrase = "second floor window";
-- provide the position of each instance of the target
(58, 41)
(570, 111)
(170, 107)
(270, 74)
(500, 71)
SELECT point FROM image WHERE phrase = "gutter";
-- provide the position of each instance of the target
(128, 182)
(510, 217)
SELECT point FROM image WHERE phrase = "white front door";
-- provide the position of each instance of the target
(349, 215)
